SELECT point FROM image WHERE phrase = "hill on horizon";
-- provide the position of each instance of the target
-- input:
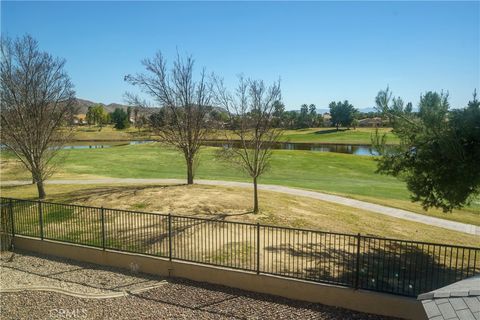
(83, 104)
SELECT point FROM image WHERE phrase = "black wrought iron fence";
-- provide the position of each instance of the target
(387, 265)
(6, 227)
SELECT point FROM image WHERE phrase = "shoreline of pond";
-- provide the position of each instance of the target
(223, 141)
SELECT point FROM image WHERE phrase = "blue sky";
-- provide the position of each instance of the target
(322, 51)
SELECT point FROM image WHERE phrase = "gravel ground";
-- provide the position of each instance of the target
(175, 299)
(20, 270)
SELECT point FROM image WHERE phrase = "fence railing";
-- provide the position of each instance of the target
(387, 265)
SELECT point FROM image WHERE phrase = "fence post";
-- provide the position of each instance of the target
(357, 265)
(170, 236)
(103, 227)
(258, 248)
(40, 218)
(10, 206)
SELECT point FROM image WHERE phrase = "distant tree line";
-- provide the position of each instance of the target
(341, 114)
(307, 117)
(121, 119)
(96, 115)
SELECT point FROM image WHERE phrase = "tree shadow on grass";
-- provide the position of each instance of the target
(387, 266)
(184, 229)
(330, 131)
(85, 195)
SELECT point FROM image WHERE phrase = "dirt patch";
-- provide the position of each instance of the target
(178, 199)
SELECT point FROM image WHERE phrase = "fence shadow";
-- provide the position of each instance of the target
(387, 265)
(400, 268)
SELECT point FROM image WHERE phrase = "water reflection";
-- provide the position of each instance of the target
(103, 144)
(361, 150)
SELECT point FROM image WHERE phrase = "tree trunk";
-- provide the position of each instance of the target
(189, 171)
(41, 189)
(255, 196)
(337, 127)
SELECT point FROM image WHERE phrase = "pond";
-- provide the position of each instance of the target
(362, 150)
(102, 144)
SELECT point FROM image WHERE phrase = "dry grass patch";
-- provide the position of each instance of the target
(225, 239)
(13, 169)
(234, 204)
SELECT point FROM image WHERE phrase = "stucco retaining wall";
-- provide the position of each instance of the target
(359, 300)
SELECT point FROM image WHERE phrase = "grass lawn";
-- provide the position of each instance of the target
(234, 204)
(331, 135)
(309, 135)
(108, 133)
(343, 174)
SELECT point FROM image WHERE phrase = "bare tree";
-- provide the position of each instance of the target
(184, 100)
(36, 98)
(253, 126)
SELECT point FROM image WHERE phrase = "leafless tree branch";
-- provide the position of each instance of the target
(252, 133)
(185, 104)
(36, 99)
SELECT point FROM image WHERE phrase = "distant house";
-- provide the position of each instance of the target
(327, 119)
(370, 122)
(80, 119)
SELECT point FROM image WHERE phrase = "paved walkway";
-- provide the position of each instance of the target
(393, 212)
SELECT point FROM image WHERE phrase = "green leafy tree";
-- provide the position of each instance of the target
(312, 116)
(89, 116)
(157, 119)
(319, 121)
(279, 114)
(439, 151)
(355, 123)
(307, 116)
(290, 119)
(218, 116)
(303, 117)
(409, 108)
(97, 115)
(120, 119)
(342, 113)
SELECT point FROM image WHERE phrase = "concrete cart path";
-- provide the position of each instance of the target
(393, 212)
